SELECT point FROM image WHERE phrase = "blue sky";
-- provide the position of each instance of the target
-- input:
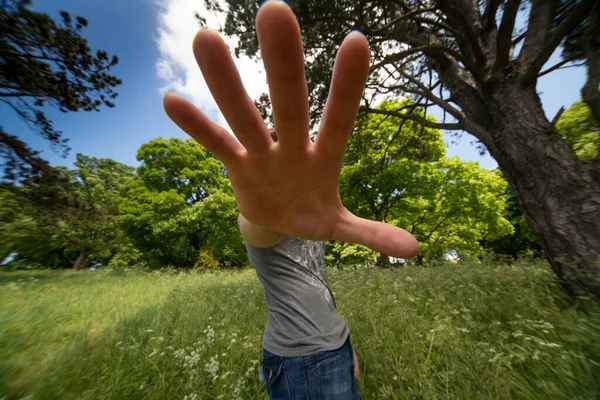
(152, 39)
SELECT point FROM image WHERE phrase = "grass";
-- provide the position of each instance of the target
(452, 332)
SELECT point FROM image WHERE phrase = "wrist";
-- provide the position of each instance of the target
(258, 235)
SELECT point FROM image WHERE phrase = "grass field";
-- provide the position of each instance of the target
(452, 332)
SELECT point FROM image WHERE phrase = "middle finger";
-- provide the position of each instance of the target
(283, 56)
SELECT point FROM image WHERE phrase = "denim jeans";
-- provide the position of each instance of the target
(326, 375)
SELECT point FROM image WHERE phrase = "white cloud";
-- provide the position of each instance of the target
(176, 65)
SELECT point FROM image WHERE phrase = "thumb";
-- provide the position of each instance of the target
(377, 236)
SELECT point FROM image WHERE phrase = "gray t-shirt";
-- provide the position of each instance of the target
(302, 316)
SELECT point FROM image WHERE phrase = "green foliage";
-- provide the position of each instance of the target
(181, 165)
(206, 261)
(580, 130)
(181, 203)
(395, 171)
(453, 332)
(18, 162)
(65, 212)
(217, 217)
(458, 204)
(522, 242)
(152, 220)
(348, 254)
(128, 258)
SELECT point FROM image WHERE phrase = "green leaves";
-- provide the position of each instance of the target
(396, 171)
(179, 204)
(64, 212)
(184, 166)
(580, 130)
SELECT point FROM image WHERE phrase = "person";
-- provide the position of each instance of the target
(287, 194)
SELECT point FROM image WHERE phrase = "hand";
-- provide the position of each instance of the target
(356, 369)
(290, 186)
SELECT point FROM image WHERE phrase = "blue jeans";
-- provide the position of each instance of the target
(326, 375)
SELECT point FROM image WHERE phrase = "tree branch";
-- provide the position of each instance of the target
(565, 6)
(540, 23)
(412, 117)
(557, 116)
(558, 65)
(464, 24)
(575, 16)
(489, 15)
(503, 39)
(519, 38)
(402, 17)
(427, 50)
(428, 93)
(387, 148)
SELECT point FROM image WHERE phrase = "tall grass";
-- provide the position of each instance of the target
(452, 332)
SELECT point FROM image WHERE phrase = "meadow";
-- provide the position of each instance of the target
(470, 331)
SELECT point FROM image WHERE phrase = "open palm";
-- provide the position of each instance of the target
(290, 186)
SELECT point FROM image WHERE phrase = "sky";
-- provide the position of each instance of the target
(152, 39)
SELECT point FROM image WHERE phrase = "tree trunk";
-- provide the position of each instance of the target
(559, 195)
(591, 90)
(83, 255)
(383, 260)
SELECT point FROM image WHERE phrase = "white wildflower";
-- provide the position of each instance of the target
(212, 367)
(210, 333)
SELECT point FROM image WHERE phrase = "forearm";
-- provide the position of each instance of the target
(256, 235)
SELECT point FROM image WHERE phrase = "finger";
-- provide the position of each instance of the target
(356, 367)
(283, 56)
(210, 135)
(377, 236)
(226, 86)
(350, 74)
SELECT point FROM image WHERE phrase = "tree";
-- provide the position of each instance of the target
(155, 221)
(580, 129)
(44, 63)
(181, 165)
(25, 241)
(395, 171)
(468, 58)
(73, 209)
(179, 204)
(217, 217)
